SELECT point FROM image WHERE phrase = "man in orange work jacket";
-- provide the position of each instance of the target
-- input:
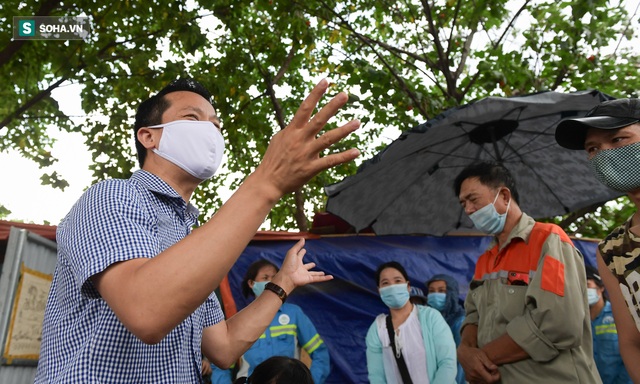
(527, 316)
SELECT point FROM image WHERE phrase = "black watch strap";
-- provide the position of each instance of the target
(277, 290)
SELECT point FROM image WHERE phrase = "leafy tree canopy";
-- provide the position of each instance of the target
(402, 62)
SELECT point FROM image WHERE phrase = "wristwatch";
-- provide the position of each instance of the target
(277, 290)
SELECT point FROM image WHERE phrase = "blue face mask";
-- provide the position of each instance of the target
(488, 220)
(437, 300)
(258, 287)
(395, 296)
(592, 296)
(618, 168)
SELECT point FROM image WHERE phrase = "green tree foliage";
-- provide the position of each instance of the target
(402, 62)
(4, 211)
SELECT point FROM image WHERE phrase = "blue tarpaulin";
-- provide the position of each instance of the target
(344, 308)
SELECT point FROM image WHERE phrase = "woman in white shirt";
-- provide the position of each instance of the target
(422, 338)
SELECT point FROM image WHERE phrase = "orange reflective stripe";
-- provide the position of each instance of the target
(552, 279)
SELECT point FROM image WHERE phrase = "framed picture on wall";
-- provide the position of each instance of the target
(25, 327)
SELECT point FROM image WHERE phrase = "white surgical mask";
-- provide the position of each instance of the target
(195, 146)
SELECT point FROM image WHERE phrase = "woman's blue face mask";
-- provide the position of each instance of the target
(258, 287)
(437, 300)
(395, 296)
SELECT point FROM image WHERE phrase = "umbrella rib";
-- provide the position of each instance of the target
(541, 181)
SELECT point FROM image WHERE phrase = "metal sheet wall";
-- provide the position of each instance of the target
(36, 253)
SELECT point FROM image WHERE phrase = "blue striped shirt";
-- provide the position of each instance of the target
(82, 339)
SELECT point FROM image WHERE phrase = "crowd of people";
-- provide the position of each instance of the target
(132, 295)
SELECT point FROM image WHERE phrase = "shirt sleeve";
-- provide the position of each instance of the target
(554, 315)
(212, 311)
(375, 365)
(445, 349)
(311, 342)
(470, 307)
(106, 225)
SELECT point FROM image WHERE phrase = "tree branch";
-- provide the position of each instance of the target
(495, 44)
(403, 86)
(45, 93)
(14, 46)
(443, 59)
(299, 198)
(511, 22)
(573, 216)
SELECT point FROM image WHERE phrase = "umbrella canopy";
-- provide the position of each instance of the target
(407, 188)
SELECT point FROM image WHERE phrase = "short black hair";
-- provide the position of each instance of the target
(150, 111)
(251, 274)
(280, 370)
(493, 175)
(390, 264)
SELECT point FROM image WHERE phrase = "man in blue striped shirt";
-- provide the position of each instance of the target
(131, 299)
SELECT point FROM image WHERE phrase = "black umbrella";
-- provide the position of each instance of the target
(408, 187)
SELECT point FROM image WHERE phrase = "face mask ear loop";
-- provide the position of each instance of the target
(496, 199)
(508, 204)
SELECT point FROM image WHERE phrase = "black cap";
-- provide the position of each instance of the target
(593, 274)
(612, 114)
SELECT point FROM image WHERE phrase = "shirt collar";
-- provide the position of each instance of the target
(521, 230)
(158, 186)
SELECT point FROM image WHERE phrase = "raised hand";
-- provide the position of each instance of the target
(295, 273)
(293, 155)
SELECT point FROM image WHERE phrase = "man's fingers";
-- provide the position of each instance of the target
(489, 372)
(487, 363)
(329, 110)
(331, 137)
(320, 279)
(304, 112)
(298, 246)
(332, 160)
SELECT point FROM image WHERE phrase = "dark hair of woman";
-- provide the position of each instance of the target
(390, 264)
(279, 370)
(251, 274)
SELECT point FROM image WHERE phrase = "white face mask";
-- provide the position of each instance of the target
(195, 146)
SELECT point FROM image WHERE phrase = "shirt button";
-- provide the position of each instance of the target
(511, 290)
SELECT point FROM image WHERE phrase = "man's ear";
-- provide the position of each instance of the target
(147, 137)
(506, 192)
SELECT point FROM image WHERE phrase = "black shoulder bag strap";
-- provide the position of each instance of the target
(402, 366)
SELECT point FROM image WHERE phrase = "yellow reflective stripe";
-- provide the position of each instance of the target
(313, 344)
(276, 328)
(606, 328)
(289, 329)
(263, 336)
(286, 332)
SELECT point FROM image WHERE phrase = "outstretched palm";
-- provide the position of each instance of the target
(296, 272)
